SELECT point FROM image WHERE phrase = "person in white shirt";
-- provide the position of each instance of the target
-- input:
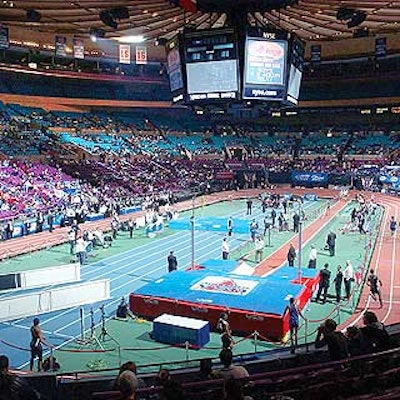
(71, 240)
(80, 248)
(225, 249)
(312, 263)
(348, 278)
(259, 248)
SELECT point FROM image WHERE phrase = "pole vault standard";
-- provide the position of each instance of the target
(300, 245)
(192, 230)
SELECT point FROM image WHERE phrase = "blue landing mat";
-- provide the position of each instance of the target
(214, 224)
(221, 288)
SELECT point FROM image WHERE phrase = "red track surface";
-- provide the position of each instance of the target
(384, 259)
(279, 256)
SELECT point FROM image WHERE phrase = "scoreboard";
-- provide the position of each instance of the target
(265, 67)
(212, 66)
(221, 65)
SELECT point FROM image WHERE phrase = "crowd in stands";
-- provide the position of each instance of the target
(118, 158)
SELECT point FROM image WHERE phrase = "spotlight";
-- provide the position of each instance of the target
(96, 33)
(160, 42)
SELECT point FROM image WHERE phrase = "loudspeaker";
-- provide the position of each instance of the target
(107, 19)
(33, 15)
(120, 13)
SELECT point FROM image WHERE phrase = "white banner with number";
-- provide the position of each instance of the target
(124, 53)
(141, 55)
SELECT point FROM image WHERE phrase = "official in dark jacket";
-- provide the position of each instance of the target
(331, 242)
(324, 277)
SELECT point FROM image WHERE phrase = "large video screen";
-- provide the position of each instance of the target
(212, 65)
(265, 69)
(213, 77)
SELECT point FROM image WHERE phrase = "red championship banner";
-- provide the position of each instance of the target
(189, 5)
(124, 53)
(141, 55)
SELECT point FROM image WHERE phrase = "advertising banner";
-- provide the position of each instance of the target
(309, 178)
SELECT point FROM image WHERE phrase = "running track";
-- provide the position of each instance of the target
(384, 257)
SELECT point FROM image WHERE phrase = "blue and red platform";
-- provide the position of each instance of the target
(254, 303)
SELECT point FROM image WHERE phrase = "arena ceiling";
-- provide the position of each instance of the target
(310, 19)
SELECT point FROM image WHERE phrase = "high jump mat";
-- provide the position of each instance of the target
(254, 303)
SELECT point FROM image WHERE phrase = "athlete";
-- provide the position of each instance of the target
(37, 340)
(374, 284)
(294, 314)
(393, 226)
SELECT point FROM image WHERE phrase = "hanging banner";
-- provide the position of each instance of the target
(124, 53)
(141, 55)
(79, 48)
(4, 37)
(315, 53)
(380, 47)
(61, 46)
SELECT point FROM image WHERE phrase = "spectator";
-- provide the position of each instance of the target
(356, 342)
(375, 332)
(129, 366)
(13, 387)
(127, 384)
(230, 371)
(328, 336)
(234, 390)
(172, 390)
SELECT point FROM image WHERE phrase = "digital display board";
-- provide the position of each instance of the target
(296, 62)
(175, 73)
(175, 70)
(212, 66)
(213, 77)
(294, 83)
(265, 69)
